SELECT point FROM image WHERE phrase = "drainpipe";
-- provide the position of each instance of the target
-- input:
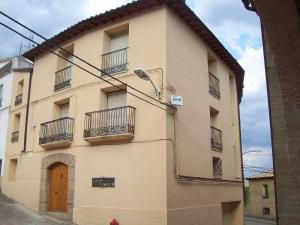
(27, 110)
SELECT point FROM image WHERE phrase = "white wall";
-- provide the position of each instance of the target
(6, 81)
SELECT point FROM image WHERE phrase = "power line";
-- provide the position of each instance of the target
(49, 50)
(257, 167)
(22, 25)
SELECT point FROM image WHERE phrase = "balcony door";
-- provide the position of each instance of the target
(115, 100)
(64, 112)
(118, 41)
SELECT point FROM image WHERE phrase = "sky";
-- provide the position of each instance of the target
(237, 28)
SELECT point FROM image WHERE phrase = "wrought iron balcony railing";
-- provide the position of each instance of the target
(63, 78)
(115, 61)
(216, 139)
(214, 86)
(110, 122)
(56, 131)
(15, 136)
(19, 99)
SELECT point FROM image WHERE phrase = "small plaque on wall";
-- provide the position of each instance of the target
(103, 182)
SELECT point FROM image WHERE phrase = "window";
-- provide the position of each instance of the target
(64, 110)
(13, 163)
(1, 95)
(115, 58)
(63, 75)
(19, 96)
(214, 86)
(116, 99)
(216, 134)
(15, 133)
(265, 191)
(266, 211)
(61, 109)
(217, 167)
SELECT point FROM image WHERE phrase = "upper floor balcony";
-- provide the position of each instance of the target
(214, 86)
(216, 139)
(116, 124)
(18, 99)
(63, 78)
(57, 133)
(115, 61)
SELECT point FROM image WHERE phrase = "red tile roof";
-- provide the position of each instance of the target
(261, 176)
(137, 7)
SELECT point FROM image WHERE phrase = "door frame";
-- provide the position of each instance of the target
(47, 161)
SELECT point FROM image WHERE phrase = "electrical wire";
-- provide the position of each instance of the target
(77, 57)
(80, 67)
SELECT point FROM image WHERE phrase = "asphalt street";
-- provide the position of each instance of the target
(256, 221)
(13, 213)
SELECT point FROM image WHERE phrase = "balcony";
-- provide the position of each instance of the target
(63, 78)
(214, 86)
(15, 137)
(115, 61)
(216, 139)
(57, 133)
(18, 99)
(116, 124)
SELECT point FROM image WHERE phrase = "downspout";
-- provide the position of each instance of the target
(27, 110)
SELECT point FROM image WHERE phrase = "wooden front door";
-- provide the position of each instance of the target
(58, 187)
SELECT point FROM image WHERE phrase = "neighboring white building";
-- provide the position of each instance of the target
(7, 68)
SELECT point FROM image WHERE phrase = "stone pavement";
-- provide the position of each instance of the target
(256, 221)
(13, 213)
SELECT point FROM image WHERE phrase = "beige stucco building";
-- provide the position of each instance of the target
(261, 196)
(96, 151)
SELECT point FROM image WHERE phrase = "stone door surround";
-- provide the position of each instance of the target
(68, 160)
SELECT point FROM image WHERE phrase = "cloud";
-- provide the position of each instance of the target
(236, 27)
(46, 17)
(95, 6)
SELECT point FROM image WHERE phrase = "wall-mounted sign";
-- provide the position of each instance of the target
(103, 182)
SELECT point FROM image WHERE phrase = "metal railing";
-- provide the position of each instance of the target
(63, 78)
(115, 121)
(115, 61)
(15, 136)
(56, 130)
(216, 139)
(19, 99)
(214, 86)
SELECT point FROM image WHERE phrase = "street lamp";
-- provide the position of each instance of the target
(144, 74)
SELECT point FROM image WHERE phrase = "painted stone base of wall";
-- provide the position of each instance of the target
(204, 215)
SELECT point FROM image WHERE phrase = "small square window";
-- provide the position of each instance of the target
(266, 211)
